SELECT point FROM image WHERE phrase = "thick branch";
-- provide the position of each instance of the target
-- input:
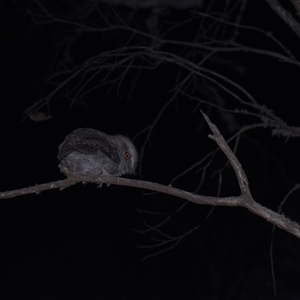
(285, 16)
(38, 188)
(273, 217)
(244, 200)
(277, 219)
(237, 167)
(112, 180)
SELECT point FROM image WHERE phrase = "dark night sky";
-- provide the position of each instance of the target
(81, 243)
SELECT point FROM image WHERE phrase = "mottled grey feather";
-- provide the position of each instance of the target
(88, 141)
(90, 152)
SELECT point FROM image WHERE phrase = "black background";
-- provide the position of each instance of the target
(81, 242)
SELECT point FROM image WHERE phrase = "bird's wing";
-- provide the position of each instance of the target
(88, 141)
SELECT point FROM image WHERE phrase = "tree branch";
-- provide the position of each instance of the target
(244, 200)
(285, 15)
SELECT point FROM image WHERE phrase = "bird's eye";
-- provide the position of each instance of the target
(126, 155)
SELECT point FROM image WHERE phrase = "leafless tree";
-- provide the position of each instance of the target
(207, 48)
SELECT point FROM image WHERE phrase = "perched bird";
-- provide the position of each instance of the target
(93, 153)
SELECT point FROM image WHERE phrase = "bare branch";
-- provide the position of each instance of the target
(38, 188)
(277, 219)
(285, 16)
(244, 200)
(238, 169)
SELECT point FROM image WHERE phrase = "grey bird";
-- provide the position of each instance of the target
(93, 153)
